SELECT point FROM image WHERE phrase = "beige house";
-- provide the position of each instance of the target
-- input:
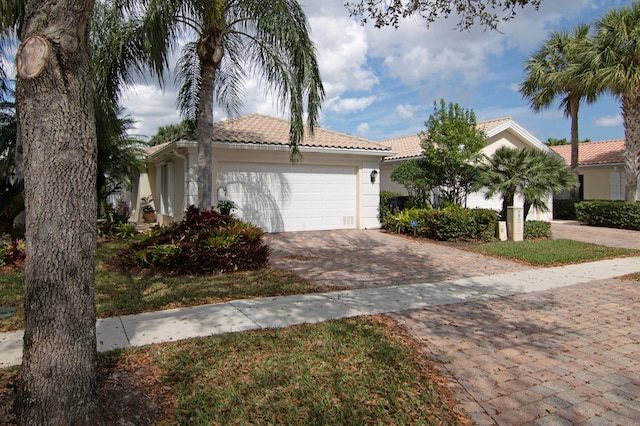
(601, 169)
(500, 132)
(334, 186)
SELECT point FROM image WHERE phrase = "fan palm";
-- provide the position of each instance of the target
(534, 174)
(233, 37)
(615, 57)
(553, 72)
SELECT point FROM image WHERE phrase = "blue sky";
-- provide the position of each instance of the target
(381, 83)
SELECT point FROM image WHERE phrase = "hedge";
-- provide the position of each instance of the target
(446, 224)
(612, 214)
(537, 229)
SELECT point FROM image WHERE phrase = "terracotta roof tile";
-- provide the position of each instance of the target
(592, 153)
(409, 146)
(262, 129)
(153, 149)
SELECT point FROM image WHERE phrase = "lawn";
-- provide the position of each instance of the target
(121, 293)
(551, 252)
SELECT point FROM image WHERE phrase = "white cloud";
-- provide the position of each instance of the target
(150, 107)
(363, 129)
(350, 105)
(609, 121)
(407, 112)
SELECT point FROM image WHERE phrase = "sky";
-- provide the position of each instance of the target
(382, 83)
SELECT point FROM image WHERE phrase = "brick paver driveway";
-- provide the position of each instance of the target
(559, 357)
(356, 259)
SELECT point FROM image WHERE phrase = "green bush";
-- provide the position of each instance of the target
(4, 250)
(612, 214)
(204, 242)
(564, 209)
(385, 211)
(537, 229)
(447, 224)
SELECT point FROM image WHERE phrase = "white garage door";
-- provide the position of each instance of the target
(292, 197)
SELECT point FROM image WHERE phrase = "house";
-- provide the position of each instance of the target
(334, 186)
(600, 168)
(500, 132)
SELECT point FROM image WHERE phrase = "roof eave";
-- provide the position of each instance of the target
(303, 149)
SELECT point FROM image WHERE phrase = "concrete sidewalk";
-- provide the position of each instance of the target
(254, 314)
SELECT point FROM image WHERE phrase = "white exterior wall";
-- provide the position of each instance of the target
(273, 164)
(370, 196)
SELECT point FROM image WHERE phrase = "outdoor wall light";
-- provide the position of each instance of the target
(374, 175)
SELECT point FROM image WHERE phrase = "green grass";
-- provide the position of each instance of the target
(118, 293)
(348, 372)
(551, 252)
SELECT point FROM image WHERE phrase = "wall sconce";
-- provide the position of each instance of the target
(374, 175)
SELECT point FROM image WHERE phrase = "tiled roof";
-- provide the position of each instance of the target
(264, 130)
(592, 153)
(153, 149)
(409, 146)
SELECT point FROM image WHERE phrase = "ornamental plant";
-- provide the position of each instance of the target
(204, 242)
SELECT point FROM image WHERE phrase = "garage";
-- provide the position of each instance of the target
(292, 197)
(333, 184)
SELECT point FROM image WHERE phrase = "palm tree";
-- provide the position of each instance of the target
(232, 38)
(554, 71)
(534, 174)
(615, 58)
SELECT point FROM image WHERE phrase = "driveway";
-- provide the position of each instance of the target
(373, 258)
(557, 357)
(574, 230)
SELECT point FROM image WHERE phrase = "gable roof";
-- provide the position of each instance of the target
(258, 129)
(255, 130)
(409, 146)
(594, 153)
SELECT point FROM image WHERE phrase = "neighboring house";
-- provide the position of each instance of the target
(334, 186)
(500, 132)
(600, 168)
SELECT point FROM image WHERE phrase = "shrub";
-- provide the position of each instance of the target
(12, 251)
(447, 224)
(204, 242)
(564, 209)
(385, 211)
(537, 229)
(612, 214)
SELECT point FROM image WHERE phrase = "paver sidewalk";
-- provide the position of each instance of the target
(251, 314)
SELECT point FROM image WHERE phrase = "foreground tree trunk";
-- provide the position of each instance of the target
(57, 125)
(631, 114)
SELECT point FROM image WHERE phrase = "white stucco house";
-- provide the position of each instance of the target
(500, 132)
(336, 185)
(330, 188)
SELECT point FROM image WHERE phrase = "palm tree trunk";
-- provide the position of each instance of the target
(204, 133)
(574, 105)
(631, 115)
(58, 383)
(210, 53)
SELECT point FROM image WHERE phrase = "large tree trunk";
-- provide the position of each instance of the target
(57, 125)
(574, 106)
(210, 53)
(631, 115)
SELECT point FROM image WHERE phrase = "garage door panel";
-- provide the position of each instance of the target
(292, 198)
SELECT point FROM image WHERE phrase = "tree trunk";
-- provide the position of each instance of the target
(210, 52)
(574, 106)
(631, 115)
(57, 126)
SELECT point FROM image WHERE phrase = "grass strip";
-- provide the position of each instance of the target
(551, 252)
